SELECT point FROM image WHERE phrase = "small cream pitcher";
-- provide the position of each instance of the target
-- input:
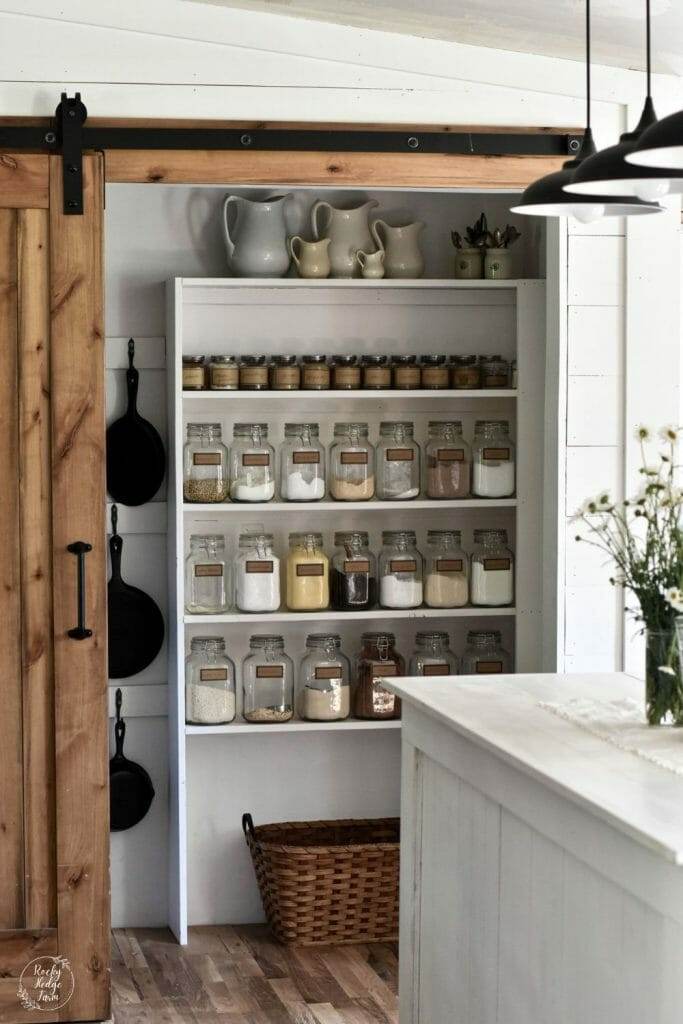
(312, 258)
(371, 264)
(402, 246)
(348, 232)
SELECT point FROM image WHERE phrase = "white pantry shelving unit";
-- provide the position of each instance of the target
(207, 316)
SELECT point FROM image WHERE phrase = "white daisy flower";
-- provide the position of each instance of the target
(674, 597)
(669, 433)
(642, 433)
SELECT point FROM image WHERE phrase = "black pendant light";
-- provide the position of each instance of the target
(607, 173)
(547, 196)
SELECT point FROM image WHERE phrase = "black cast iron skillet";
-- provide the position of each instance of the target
(130, 788)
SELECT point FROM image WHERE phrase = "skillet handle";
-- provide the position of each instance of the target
(119, 736)
(80, 548)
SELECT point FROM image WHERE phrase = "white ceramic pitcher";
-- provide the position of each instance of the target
(257, 240)
(402, 245)
(348, 232)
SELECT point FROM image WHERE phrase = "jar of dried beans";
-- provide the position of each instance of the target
(205, 464)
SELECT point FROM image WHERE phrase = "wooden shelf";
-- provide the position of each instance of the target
(296, 507)
(334, 616)
(240, 727)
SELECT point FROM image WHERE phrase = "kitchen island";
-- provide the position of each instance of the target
(541, 864)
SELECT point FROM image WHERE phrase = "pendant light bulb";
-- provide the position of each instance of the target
(652, 189)
(588, 213)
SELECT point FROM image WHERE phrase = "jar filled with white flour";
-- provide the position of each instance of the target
(257, 574)
(400, 570)
(493, 460)
(302, 463)
(252, 463)
(209, 683)
(493, 574)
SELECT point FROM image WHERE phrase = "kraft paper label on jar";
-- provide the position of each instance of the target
(347, 376)
(316, 375)
(213, 675)
(496, 454)
(310, 569)
(254, 374)
(270, 671)
(286, 376)
(489, 667)
(256, 459)
(258, 566)
(384, 668)
(305, 458)
(495, 381)
(435, 377)
(449, 565)
(193, 378)
(407, 376)
(450, 454)
(435, 670)
(400, 454)
(224, 376)
(328, 672)
(357, 565)
(377, 377)
(208, 570)
(354, 458)
(497, 564)
(206, 459)
(402, 565)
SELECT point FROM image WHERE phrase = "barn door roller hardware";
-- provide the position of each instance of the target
(72, 134)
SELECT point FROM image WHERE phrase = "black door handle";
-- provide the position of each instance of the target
(80, 548)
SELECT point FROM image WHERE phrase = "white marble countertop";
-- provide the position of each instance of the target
(502, 714)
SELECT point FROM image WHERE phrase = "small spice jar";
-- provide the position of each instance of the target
(448, 461)
(308, 573)
(432, 655)
(315, 374)
(400, 570)
(465, 373)
(434, 375)
(484, 654)
(346, 375)
(253, 373)
(398, 462)
(267, 681)
(194, 373)
(495, 372)
(493, 576)
(285, 373)
(302, 463)
(257, 574)
(209, 683)
(493, 460)
(325, 694)
(353, 574)
(224, 374)
(406, 374)
(205, 464)
(446, 570)
(352, 463)
(378, 659)
(207, 583)
(252, 463)
(376, 372)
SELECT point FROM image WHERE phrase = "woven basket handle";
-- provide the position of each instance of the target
(248, 826)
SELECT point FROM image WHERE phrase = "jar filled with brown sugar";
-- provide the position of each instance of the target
(224, 374)
(285, 373)
(194, 373)
(253, 373)
(406, 375)
(434, 372)
(346, 374)
(315, 374)
(376, 372)
(378, 659)
(465, 373)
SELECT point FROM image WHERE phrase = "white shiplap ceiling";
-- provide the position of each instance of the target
(549, 27)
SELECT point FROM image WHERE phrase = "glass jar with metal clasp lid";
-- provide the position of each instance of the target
(352, 463)
(267, 681)
(493, 460)
(446, 570)
(432, 655)
(324, 678)
(400, 570)
(308, 573)
(493, 570)
(353, 573)
(224, 374)
(257, 573)
(302, 463)
(378, 659)
(398, 462)
(205, 464)
(448, 461)
(252, 463)
(209, 683)
(485, 654)
(207, 575)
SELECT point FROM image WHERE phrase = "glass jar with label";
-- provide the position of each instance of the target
(267, 681)
(315, 373)
(324, 679)
(378, 659)
(493, 575)
(207, 583)
(465, 373)
(493, 460)
(446, 570)
(224, 374)
(352, 463)
(209, 683)
(432, 655)
(376, 372)
(398, 462)
(257, 574)
(308, 573)
(484, 654)
(434, 375)
(346, 374)
(406, 375)
(253, 373)
(353, 574)
(285, 373)
(400, 570)
(194, 373)
(252, 463)
(495, 372)
(302, 463)
(448, 461)
(205, 464)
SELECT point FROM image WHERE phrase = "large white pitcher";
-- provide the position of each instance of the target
(348, 231)
(257, 240)
(403, 254)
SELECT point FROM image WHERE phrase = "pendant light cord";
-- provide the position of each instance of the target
(588, 64)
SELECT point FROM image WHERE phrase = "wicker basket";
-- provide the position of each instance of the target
(327, 882)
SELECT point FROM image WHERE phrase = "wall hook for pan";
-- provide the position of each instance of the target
(71, 115)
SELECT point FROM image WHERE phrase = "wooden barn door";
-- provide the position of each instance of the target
(54, 809)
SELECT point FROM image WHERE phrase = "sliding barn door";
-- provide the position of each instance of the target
(54, 804)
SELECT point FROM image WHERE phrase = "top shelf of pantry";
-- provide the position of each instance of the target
(393, 283)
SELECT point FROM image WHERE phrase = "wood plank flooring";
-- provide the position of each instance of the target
(240, 975)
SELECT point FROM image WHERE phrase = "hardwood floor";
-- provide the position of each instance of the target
(239, 975)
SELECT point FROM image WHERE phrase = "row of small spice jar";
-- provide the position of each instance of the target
(347, 373)
(358, 470)
(326, 691)
(353, 579)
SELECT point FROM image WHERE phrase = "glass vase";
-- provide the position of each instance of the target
(663, 683)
